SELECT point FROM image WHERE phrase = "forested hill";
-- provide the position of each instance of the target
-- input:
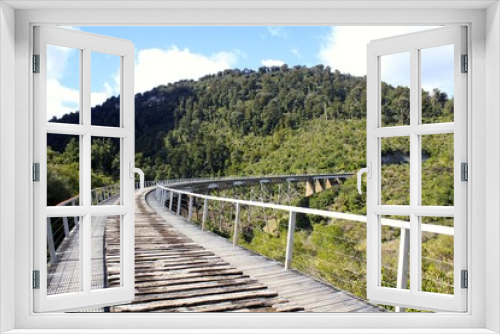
(227, 122)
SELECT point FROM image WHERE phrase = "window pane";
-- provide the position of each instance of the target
(437, 78)
(395, 171)
(395, 89)
(437, 169)
(106, 243)
(437, 257)
(394, 242)
(63, 170)
(105, 90)
(63, 255)
(63, 84)
(105, 170)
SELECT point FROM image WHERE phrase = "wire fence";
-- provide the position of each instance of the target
(59, 228)
(330, 249)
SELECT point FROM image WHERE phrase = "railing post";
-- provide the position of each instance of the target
(289, 239)
(50, 242)
(404, 252)
(73, 202)
(66, 226)
(190, 210)
(236, 223)
(205, 214)
(170, 205)
(179, 200)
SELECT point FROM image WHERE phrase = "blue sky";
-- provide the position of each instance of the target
(169, 54)
(254, 43)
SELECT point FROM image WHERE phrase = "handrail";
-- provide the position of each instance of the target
(98, 195)
(324, 213)
(246, 177)
(163, 193)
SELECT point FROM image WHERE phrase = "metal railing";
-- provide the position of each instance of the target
(60, 228)
(173, 196)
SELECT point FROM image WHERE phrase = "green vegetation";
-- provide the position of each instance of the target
(63, 174)
(284, 120)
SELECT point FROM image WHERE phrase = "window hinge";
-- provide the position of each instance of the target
(36, 63)
(464, 279)
(464, 173)
(36, 279)
(36, 172)
(465, 64)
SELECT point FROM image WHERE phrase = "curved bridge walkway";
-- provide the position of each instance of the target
(291, 290)
(180, 268)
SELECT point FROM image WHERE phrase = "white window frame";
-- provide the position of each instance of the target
(483, 102)
(413, 43)
(85, 43)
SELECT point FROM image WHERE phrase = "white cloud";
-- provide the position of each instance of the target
(153, 67)
(98, 98)
(157, 66)
(271, 62)
(279, 32)
(57, 60)
(60, 100)
(345, 50)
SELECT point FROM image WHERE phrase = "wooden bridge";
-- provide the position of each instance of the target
(180, 268)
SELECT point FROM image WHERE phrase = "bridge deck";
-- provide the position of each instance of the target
(299, 289)
(180, 268)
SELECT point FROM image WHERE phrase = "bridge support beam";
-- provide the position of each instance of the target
(190, 209)
(289, 240)
(66, 227)
(73, 202)
(170, 204)
(179, 203)
(205, 214)
(50, 242)
(318, 187)
(236, 223)
(309, 188)
(403, 259)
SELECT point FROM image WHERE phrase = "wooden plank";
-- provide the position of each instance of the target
(180, 268)
(197, 286)
(146, 307)
(230, 306)
(177, 275)
(219, 291)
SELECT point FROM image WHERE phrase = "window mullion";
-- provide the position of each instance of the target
(85, 174)
(415, 168)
